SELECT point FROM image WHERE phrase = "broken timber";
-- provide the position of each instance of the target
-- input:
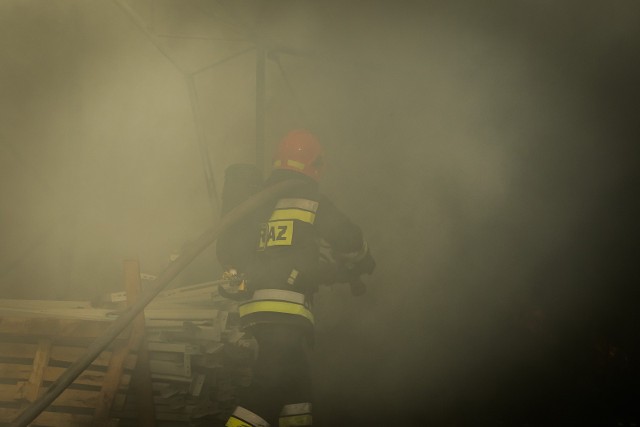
(36, 351)
(195, 367)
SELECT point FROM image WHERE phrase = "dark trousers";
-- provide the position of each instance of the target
(281, 372)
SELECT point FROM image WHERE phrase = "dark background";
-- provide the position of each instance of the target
(487, 149)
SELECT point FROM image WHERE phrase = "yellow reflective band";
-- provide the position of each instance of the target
(299, 214)
(295, 164)
(234, 422)
(296, 409)
(306, 204)
(277, 163)
(292, 277)
(275, 307)
(247, 418)
(296, 421)
(278, 295)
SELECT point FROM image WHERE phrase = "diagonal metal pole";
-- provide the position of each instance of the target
(189, 77)
(209, 177)
(261, 87)
(128, 10)
(233, 217)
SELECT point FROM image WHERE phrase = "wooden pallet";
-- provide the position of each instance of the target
(182, 339)
(34, 352)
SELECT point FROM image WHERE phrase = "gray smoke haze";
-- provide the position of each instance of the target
(486, 151)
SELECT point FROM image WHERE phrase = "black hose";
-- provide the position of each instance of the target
(32, 411)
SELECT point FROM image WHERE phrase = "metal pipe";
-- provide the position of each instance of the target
(32, 411)
(261, 84)
(209, 177)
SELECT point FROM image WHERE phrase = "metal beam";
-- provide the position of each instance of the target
(261, 83)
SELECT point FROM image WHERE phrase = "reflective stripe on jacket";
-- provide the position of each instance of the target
(277, 301)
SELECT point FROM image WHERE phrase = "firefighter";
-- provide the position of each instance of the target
(299, 242)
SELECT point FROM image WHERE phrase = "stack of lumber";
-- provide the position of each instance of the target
(197, 355)
(34, 352)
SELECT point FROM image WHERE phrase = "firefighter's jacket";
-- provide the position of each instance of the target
(282, 261)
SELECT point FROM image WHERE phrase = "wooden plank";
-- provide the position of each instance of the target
(159, 387)
(115, 297)
(110, 385)
(93, 378)
(163, 413)
(163, 312)
(206, 333)
(222, 317)
(212, 347)
(184, 290)
(170, 368)
(43, 304)
(28, 326)
(181, 303)
(219, 326)
(79, 313)
(84, 329)
(77, 398)
(58, 328)
(167, 356)
(12, 393)
(20, 350)
(176, 325)
(187, 348)
(181, 313)
(165, 377)
(31, 389)
(196, 386)
(142, 380)
(119, 402)
(16, 371)
(55, 419)
(70, 341)
(71, 354)
(121, 350)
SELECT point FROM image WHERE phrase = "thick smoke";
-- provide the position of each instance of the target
(486, 151)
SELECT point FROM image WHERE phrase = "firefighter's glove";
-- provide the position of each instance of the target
(352, 277)
(342, 274)
(366, 265)
(348, 271)
(357, 263)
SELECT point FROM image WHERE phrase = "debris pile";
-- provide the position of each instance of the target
(197, 356)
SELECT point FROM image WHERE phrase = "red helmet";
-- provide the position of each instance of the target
(301, 152)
